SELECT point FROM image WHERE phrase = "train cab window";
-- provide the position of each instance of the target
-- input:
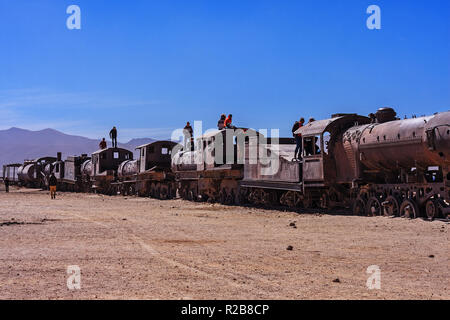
(127, 156)
(311, 146)
(115, 155)
(164, 151)
(326, 140)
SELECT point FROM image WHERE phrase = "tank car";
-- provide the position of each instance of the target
(32, 172)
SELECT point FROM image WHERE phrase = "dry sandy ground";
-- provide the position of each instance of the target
(137, 248)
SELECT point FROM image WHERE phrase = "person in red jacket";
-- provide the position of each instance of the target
(102, 144)
(229, 122)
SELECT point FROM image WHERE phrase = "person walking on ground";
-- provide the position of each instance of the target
(221, 122)
(298, 138)
(113, 136)
(6, 182)
(52, 182)
(102, 144)
(188, 136)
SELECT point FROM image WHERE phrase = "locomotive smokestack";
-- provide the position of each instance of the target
(385, 115)
(58, 156)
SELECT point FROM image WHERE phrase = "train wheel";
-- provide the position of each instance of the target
(288, 199)
(230, 198)
(164, 192)
(158, 191)
(132, 191)
(431, 209)
(391, 206)
(243, 196)
(359, 206)
(409, 209)
(152, 191)
(256, 196)
(223, 196)
(373, 207)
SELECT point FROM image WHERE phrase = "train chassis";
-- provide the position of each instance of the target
(403, 200)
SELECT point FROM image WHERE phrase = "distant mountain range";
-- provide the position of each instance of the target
(17, 144)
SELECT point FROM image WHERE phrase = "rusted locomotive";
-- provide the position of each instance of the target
(69, 173)
(101, 170)
(212, 171)
(375, 165)
(150, 175)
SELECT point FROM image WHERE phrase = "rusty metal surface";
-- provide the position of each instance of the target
(107, 161)
(128, 168)
(320, 126)
(156, 154)
(404, 143)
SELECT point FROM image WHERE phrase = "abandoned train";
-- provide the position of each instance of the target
(377, 165)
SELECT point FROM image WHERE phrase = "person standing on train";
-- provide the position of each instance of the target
(298, 138)
(221, 122)
(188, 136)
(113, 136)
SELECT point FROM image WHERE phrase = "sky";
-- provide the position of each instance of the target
(147, 66)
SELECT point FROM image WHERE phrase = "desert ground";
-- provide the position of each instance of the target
(140, 248)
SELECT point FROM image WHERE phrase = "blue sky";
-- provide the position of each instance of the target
(149, 66)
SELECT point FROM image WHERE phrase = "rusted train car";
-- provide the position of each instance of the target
(33, 172)
(10, 172)
(151, 174)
